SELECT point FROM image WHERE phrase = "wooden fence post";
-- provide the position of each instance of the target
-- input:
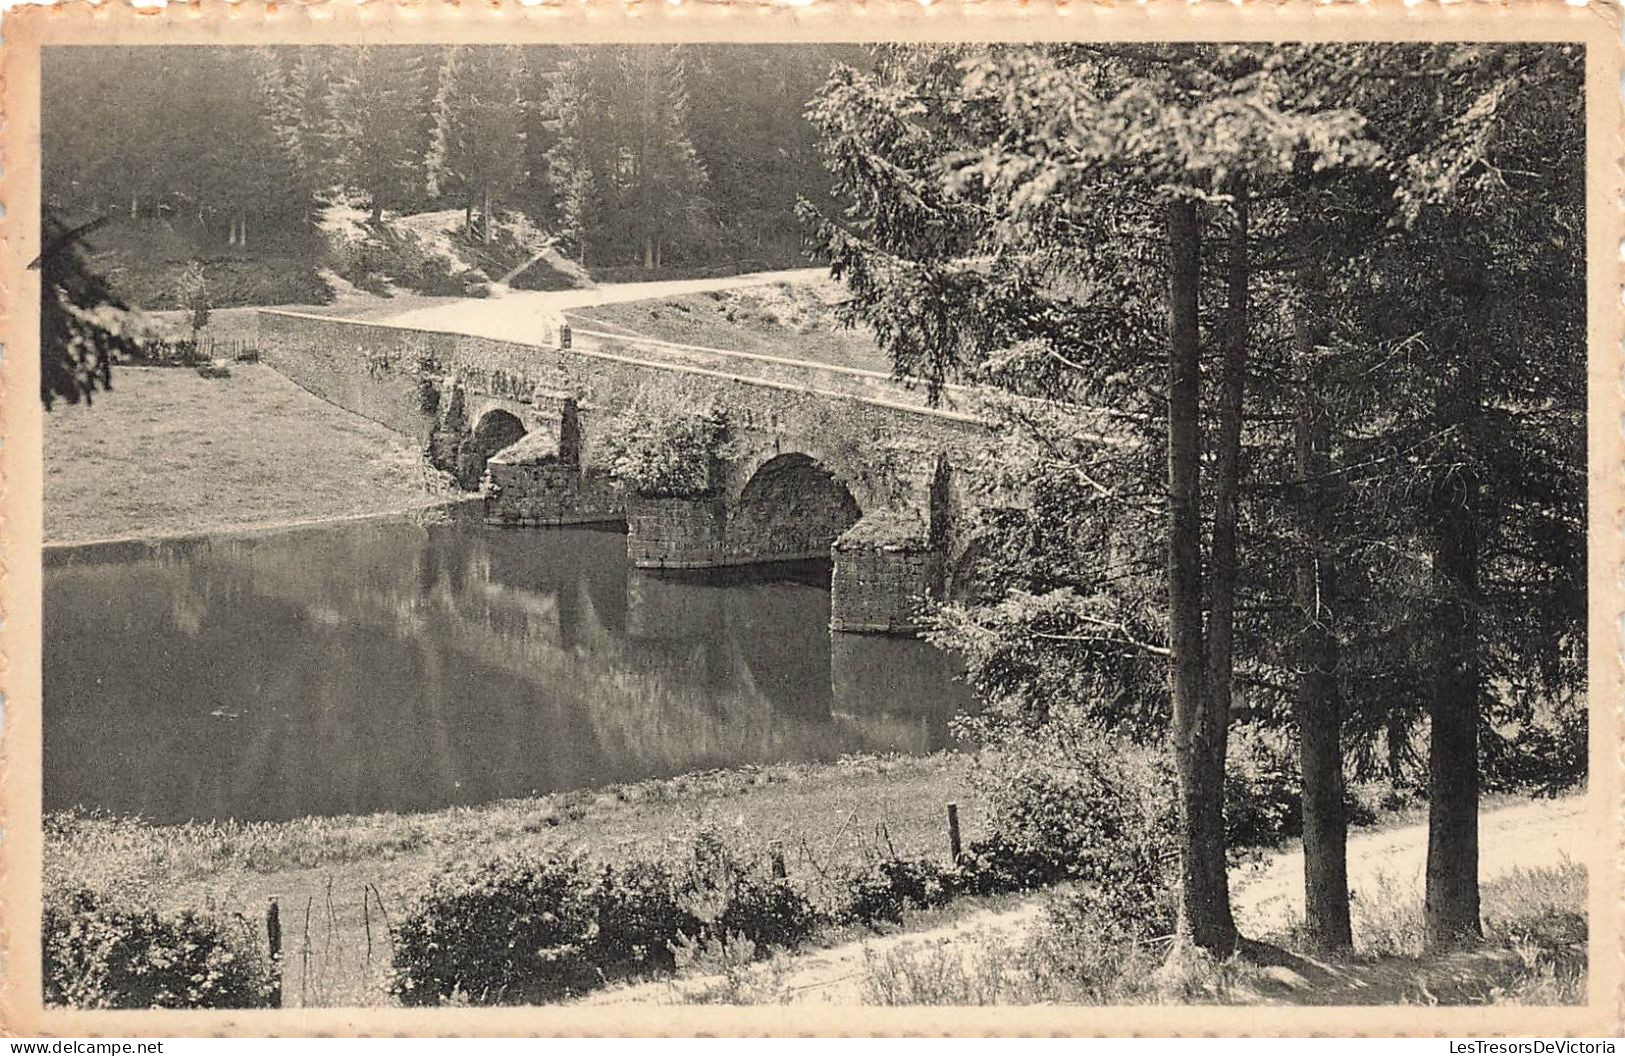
(273, 934)
(953, 832)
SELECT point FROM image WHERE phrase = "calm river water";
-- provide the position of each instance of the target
(399, 666)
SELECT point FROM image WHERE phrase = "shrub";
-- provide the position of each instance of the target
(192, 294)
(428, 394)
(102, 956)
(641, 919)
(1091, 810)
(766, 910)
(893, 885)
(1262, 789)
(664, 450)
(1546, 756)
(512, 930)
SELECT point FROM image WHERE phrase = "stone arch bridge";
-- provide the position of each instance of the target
(815, 460)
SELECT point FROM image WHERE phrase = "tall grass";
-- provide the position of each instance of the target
(1534, 953)
(1539, 915)
(1069, 957)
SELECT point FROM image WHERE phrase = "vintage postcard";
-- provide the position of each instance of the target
(844, 518)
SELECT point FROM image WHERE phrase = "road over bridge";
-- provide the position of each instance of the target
(813, 460)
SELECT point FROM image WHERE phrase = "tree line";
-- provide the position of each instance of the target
(647, 155)
(1289, 343)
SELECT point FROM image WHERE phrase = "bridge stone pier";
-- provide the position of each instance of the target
(814, 461)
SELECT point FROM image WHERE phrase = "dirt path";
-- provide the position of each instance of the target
(1266, 897)
(519, 315)
(1520, 835)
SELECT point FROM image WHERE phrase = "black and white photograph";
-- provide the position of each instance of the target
(822, 524)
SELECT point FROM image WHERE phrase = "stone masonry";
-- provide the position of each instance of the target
(839, 463)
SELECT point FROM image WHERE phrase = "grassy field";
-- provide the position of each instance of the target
(170, 452)
(795, 321)
(324, 871)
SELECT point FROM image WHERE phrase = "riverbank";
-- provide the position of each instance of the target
(337, 879)
(169, 453)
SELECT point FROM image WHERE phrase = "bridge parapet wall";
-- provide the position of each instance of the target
(375, 371)
(801, 373)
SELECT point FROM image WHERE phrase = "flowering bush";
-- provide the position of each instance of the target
(896, 885)
(1092, 810)
(767, 910)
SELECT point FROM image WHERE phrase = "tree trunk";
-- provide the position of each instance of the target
(1204, 907)
(1318, 704)
(377, 209)
(1222, 561)
(1395, 736)
(1451, 903)
(242, 233)
(648, 252)
(1452, 866)
(135, 207)
(485, 216)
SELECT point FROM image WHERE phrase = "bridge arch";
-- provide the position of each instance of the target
(494, 430)
(790, 506)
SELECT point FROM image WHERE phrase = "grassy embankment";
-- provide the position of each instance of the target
(324, 870)
(793, 320)
(143, 260)
(168, 452)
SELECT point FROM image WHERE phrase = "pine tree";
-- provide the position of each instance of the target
(1472, 303)
(378, 105)
(477, 150)
(296, 83)
(661, 173)
(83, 326)
(628, 179)
(1036, 208)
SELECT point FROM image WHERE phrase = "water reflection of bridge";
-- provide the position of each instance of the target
(397, 667)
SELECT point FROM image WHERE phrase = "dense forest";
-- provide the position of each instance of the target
(637, 157)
